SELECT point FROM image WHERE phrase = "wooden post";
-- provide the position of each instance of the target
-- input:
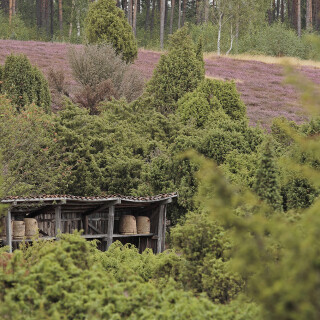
(110, 226)
(164, 228)
(85, 222)
(9, 230)
(58, 219)
(160, 228)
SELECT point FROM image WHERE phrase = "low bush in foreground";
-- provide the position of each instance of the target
(71, 279)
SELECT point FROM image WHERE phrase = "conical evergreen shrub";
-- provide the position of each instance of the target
(178, 72)
(266, 183)
(106, 23)
(25, 84)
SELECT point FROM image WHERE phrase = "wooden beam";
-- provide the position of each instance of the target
(58, 219)
(160, 228)
(94, 228)
(104, 206)
(85, 222)
(9, 230)
(110, 226)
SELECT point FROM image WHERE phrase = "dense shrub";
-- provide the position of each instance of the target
(17, 30)
(71, 279)
(24, 83)
(29, 147)
(273, 40)
(267, 183)
(227, 95)
(206, 267)
(178, 72)
(194, 105)
(106, 23)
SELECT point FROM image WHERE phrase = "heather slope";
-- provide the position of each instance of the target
(261, 84)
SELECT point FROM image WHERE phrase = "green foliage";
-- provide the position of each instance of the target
(17, 30)
(194, 105)
(25, 84)
(42, 92)
(31, 156)
(279, 134)
(273, 40)
(106, 23)
(71, 279)
(178, 72)
(276, 253)
(227, 95)
(206, 267)
(267, 184)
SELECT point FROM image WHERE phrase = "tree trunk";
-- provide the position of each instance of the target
(219, 34)
(278, 9)
(299, 17)
(147, 15)
(309, 15)
(134, 21)
(273, 10)
(38, 12)
(73, 4)
(162, 13)
(10, 11)
(51, 18)
(130, 12)
(206, 10)
(60, 17)
(172, 15)
(43, 13)
(166, 13)
(282, 11)
(198, 15)
(179, 13)
(13, 7)
(152, 16)
(138, 6)
(78, 24)
(184, 11)
(48, 16)
(231, 41)
(317, 14)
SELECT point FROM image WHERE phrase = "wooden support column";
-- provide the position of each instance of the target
(9, 230)
(58, 219)
(85, 221)
(161, 228)
(164, 228)
(110, 226)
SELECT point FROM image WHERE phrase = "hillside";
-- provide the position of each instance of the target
(260, 84)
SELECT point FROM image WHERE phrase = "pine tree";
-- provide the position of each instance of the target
(267, 184)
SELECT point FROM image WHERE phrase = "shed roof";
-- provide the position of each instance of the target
(85, 205)
(58, 197)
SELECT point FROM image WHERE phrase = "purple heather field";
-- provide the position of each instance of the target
(261, 85)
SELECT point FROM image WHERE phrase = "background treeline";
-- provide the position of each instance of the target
(276, 27)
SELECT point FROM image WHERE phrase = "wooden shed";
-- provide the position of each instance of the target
(98, 217)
